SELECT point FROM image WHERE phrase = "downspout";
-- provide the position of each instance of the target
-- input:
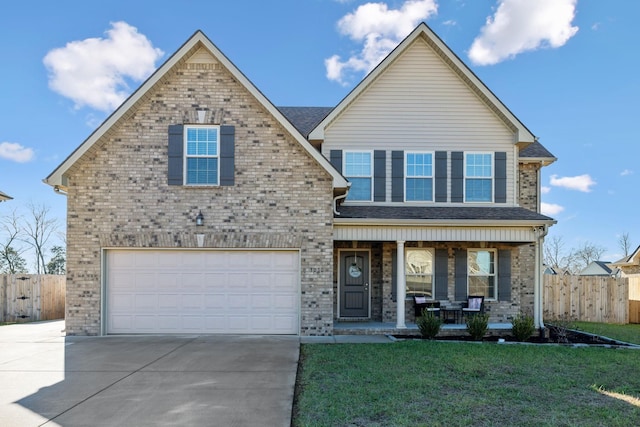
(335, 202)
(538, 307)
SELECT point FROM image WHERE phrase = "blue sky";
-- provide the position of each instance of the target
(567, 68)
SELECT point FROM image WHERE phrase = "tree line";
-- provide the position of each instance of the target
(32, 236)
(574, 260)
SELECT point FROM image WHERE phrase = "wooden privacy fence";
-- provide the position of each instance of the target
(586, 298)
(634, 299)
(31, 297)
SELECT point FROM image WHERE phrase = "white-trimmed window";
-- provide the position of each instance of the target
(358, 169)
(481, 270)
(419, 271)
(418, 177)
(478, 177)
(202, 155)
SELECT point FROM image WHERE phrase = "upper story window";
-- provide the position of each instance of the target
(478, 177)
(418, 177)
(201, 158)
(359, 171)
(481, 265)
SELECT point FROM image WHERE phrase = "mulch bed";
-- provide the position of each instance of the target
(570, 337)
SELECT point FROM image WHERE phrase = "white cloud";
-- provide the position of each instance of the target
(581, 182)
(522, 25)
(550, 209)
(380, 29)
(626, 172)
(545, 190)
(15, 152)
(94, 72)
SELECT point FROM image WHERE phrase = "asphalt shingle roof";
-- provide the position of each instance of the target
(305, 118)
(536, 150)
(441, 213)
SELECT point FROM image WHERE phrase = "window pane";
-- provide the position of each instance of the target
(422, 285)
(360, 189)
(202, 141)
(481, 262)
(357, 164)
(419, 165)
(478, 166)
(482, 285)
(419, 189)
(202, 170)
(478, 190)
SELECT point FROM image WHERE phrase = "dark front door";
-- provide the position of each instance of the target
(354, 284)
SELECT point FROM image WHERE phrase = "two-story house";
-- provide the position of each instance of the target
(200, 207)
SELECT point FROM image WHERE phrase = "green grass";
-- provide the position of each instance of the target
(627, 333)
(423, 383)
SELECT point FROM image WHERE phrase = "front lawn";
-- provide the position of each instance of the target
(422, 383)
(627, 333)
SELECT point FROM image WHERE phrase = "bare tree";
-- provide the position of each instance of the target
(38, 231)
(556, 257)
(10, 252)
(588, 252)
(624, 242)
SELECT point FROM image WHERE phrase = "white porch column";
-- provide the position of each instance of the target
(401, 286)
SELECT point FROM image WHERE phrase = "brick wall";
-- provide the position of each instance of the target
(118, 194)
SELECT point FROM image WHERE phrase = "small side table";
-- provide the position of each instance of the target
(451, 314)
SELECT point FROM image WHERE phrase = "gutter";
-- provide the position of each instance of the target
(443, 222)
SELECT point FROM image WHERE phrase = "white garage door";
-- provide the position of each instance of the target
(187, 291)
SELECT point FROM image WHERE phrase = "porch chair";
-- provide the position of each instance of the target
(474, 305)
(420, 303)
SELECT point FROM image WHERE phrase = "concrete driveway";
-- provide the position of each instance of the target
(53, 380)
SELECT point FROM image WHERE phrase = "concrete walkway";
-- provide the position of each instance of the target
(53, 380)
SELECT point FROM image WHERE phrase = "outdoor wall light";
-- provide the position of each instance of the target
(200, 219)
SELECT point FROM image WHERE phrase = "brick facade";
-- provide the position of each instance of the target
(118, 194)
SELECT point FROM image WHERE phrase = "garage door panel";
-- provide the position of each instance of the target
(184, 291)
(168, 302)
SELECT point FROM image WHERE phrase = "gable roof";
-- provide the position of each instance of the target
(596, 268)
(4, 197)
(633, 259)
(57, 179)
(524, 136)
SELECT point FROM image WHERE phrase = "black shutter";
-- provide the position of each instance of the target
(501, 177)
(397, 176)
(504, 275)
(457, 177)
(335, 157)
(461, 275)
(441, 274)
(394, 275)
(379, 175)
(227, 155)
(175, 155)
(441, 176)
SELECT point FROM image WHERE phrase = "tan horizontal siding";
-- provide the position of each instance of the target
(419, 103)
(433, 234)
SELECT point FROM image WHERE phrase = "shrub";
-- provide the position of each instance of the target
(429, 324)
(477, 325)
(523, 327)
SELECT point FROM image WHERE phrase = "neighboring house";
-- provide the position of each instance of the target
(597, 268)
(4, 197)
(629, 266)
(547, 269)
(199, 207)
